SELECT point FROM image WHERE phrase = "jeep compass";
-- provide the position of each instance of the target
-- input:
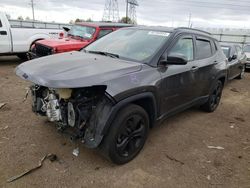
(112, 92)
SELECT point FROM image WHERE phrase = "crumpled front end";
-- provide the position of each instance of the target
(74, 110)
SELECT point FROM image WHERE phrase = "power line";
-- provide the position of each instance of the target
(247, 5)
(213, 6)
(215, 3)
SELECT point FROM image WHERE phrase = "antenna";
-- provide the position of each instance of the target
(111, 11)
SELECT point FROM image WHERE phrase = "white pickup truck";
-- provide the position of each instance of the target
(17, 37)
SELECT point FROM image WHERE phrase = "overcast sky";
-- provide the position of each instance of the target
(204, 13)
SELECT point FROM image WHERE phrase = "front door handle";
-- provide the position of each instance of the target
(194, 68)
(3, 32)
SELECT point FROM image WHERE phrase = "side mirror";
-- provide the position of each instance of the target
(234, 57)
(173, 59)
(66, 29)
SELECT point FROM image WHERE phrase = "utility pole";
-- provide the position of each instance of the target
(189, 20)
(32, 6)
(111, 11)
(126, 11)
(132, 10)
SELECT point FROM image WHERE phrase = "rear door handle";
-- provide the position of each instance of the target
(194, 68)
(3, 32)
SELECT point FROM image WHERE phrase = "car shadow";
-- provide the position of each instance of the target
(10, 60)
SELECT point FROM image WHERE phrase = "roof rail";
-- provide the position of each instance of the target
(193, 30)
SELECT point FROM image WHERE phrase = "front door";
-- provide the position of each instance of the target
(178, 81)
(233, 63)
(5, 45)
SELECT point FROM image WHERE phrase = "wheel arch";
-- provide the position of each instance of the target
(106, 112)
(35, 41)
(146, 100)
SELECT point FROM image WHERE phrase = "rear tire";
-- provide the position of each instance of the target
(127, 135)
(241, 76)
(214, 98)
(23, 56)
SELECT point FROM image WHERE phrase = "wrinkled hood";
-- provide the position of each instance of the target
(64, 44)
(75, 69)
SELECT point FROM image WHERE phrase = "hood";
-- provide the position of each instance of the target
(75, 69)
(64, 44)
(247, 54)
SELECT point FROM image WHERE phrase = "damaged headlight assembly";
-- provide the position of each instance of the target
(70, 108)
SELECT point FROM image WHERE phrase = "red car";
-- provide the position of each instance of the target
(80, 35)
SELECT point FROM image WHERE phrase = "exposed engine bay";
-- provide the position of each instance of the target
(73, 108)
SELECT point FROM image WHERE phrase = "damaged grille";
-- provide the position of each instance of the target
(43, 50)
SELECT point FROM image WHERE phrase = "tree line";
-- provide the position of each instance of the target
(122, 20)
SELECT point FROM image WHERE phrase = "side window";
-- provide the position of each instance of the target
(204, 49)
(1, 24)
(185, 47)
(104, 32)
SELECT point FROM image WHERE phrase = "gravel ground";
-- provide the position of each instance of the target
(176, 153)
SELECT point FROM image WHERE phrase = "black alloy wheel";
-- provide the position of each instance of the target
(127, 134)
(131, 136)
(214, 98)
(241, 76)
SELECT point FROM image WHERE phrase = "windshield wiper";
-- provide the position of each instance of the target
(105, 53)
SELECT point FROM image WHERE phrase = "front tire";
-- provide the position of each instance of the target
(127, 135)
(214, 98)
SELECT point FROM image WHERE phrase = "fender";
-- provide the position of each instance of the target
(104, 115)
(37, 37)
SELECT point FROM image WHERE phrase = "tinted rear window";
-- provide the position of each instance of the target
(204, 49)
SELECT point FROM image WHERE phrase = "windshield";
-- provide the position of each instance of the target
(85, 32)
(226, 50)
(246, 48)
(137, 45)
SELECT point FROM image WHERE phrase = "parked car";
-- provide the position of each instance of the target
(79, 36)
(111, 93)
(246, 50)
(18, 40)
(236, 60)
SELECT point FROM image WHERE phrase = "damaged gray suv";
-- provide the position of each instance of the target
(109, 94)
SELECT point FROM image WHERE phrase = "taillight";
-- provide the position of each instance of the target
(53, 51)
(61, 35)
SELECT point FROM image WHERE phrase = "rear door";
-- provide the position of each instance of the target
(5, 38)
(206, 59)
